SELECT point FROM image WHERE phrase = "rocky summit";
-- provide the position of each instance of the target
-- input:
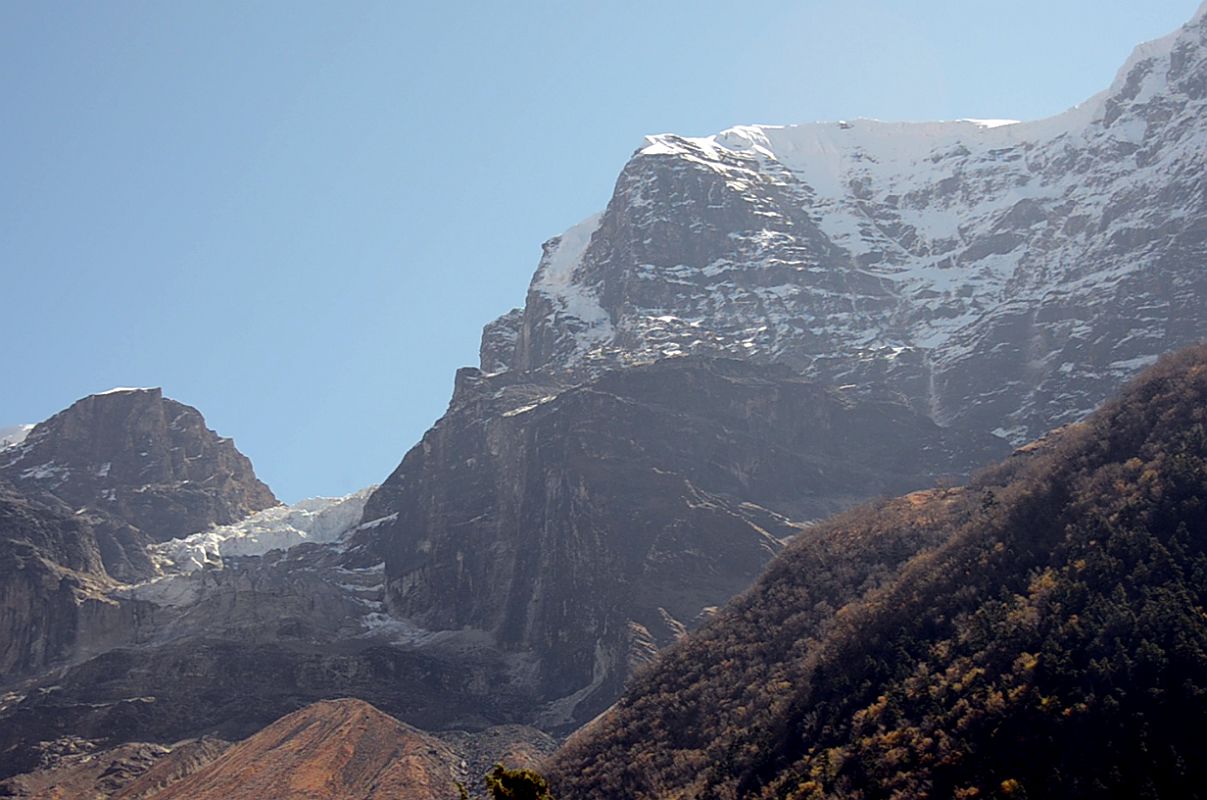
(144, 461)
(82, 496)
(1008, 277)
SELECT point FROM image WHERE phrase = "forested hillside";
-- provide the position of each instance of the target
(1038, 633)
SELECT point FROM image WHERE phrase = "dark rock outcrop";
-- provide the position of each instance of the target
(1004, 277)
(54, 601)
(145, 463)
(588, 527)
(81, 498)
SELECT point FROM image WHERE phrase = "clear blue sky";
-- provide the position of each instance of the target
(297, 216)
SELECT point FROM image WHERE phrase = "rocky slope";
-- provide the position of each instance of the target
(145, 465)
(1006, 277)
(584, 529)
(133, 771)
(342, 748)
(1038, 633)
(82, 495)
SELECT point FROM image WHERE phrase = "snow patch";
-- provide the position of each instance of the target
(373, 523)
(126, 390)
(320, 520)
(46, 472)
(571, 300)
(13, 435)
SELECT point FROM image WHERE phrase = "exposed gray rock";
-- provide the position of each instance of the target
(142, 460)
(588, 527)
(81, 498)
(1007, 278)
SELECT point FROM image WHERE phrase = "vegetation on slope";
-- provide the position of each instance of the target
(1039, 633)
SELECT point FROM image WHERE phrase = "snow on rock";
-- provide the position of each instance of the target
(1001, 274)
(14, 435)
(572, 303)
(126, 389)
(318, 520)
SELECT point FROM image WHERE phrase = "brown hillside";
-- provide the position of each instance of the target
(343, 749)
(1040, 633)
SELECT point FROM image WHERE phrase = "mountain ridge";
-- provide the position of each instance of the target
(1006, 278)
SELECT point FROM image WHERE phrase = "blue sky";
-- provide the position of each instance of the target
(297, 216)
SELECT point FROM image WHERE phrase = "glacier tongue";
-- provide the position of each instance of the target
(318, 520)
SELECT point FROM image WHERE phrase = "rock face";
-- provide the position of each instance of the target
(1004, 277)
(82, 495)
(54, 602)
(589, 527)
(147, 463)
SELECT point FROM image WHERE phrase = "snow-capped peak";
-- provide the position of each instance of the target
(126, 390)
(913, 250)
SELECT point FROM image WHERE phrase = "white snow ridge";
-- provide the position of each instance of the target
(320, 520)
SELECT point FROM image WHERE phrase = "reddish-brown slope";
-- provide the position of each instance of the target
(343, 749)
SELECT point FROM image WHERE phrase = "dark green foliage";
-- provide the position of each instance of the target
(516, 784)
(1040, 633)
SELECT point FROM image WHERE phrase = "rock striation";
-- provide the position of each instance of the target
(146, 465)
(1007, 277)
(591, 526)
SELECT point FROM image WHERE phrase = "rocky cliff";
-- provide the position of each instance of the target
(590, 526)
(82, 496)
(145, 463)
(1007, 277)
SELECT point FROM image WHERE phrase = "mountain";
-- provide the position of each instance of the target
(146, 462)
(581, 529)
(763, 328)
(666, 486)
(82, 495)
(1006, 277)
(1039, 633)
(339, 748)
(995, 278)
